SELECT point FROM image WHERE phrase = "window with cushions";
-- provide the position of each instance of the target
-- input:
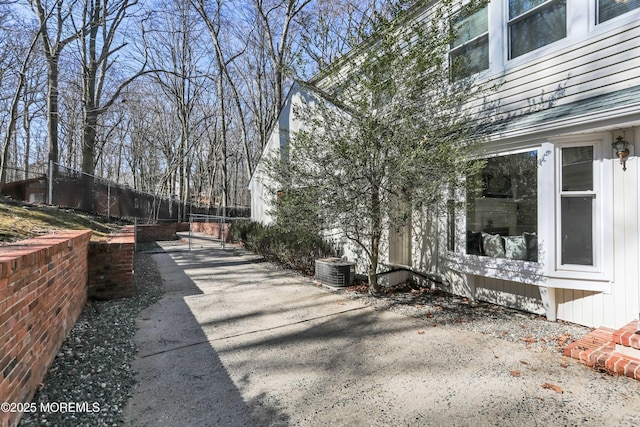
(469, 52)
(502, 208)
(534, 24)
(609, 9)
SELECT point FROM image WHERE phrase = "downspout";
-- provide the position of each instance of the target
(636, 135)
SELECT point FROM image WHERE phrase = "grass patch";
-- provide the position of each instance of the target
(20, 221)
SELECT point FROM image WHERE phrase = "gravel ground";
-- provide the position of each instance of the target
(443, 309)
(94, 363)
(439, 308)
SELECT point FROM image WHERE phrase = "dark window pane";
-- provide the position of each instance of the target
(451, 226)
(470, 27)
(518, 7)
(609, 9)
(577, 169)
(502, 214)
(577, 230)
(470, 49)
(538, 29)
(470, 59)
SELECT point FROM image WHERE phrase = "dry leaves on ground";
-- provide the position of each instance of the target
(552, 387)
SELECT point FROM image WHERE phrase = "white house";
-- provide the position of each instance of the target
(262, 196)
(557, 227)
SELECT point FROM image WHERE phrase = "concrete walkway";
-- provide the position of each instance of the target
(237, 342)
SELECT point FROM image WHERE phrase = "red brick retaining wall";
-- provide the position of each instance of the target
(111, 266)
(167, 231)
(159, 232)
(212, 229)
(43, 289)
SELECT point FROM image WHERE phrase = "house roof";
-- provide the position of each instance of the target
(625, 98)
(296, 86)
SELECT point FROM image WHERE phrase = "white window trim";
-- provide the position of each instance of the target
(503, 268)
(602, 268)
(546, 272)
(627, 17)
(581, 25)
(487, 34)
(508, 21)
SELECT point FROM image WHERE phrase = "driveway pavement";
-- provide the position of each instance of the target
(237, 342)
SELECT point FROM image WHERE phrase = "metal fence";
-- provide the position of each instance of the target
(16, 174)
(215, 226)
(70, 188)
(76, 189)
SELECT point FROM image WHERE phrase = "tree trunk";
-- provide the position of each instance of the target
(89, 140)
(26, 126)
(52, 108)
(13, 115)
(376, 236)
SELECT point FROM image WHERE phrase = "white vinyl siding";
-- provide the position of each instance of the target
(592, 60)
(508, 293)
(622, 303)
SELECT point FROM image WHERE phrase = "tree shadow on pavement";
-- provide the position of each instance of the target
(181, 379)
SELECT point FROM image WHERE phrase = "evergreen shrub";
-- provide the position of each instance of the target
(294, 247)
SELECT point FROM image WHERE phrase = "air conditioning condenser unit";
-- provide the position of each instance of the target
(335, 272)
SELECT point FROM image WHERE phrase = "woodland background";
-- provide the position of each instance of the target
(175, 98)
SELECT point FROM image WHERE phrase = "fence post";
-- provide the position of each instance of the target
(224, 212)
(109, 200)
(50, 189)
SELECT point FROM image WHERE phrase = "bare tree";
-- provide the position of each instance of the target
(53, 18)
(33, 105)
(102, 81)
(277, 20)
(177, 54)
(70, 123)
(332, 28)
(13, 109)
(213, 18)
(153, 130)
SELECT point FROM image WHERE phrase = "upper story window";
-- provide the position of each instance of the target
(470, 48)
(609, 9)
(535, 23)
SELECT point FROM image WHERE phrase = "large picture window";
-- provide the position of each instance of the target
(535, 23)
(502, 208)
(470, 48)
(609, 9)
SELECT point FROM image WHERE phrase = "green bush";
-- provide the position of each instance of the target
(293, 247)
